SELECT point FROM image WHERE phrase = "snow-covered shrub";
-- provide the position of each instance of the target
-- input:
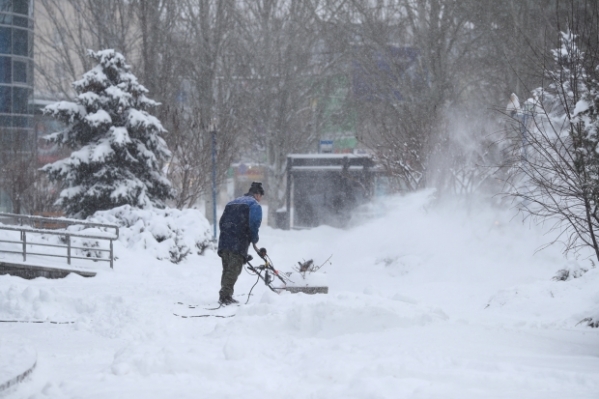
(168, 233)
(570, 271)
(558, 176)
(84, 247)
(592, 322)
(90, 250)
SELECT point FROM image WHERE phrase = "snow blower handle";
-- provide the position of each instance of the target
(261, 252)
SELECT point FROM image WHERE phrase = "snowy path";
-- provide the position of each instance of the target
(457, 361)
(17, 361)
(401, 321)
(343, 345)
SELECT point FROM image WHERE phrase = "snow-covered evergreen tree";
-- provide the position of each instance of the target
(117, 143)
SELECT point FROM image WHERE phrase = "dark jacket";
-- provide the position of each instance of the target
(239, 225)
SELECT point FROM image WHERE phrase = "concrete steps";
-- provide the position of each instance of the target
(32, 271)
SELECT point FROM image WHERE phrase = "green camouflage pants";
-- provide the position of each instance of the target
(232, 266)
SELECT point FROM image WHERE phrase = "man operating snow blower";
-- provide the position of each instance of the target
(239, 226)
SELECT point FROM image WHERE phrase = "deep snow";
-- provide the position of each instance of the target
(425, 301)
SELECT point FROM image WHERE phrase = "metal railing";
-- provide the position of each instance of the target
(27, 225)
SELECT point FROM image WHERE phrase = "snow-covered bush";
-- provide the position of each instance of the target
(591, 322)
(118, 148)
(557, 180)
(571, 271)
(167, 233)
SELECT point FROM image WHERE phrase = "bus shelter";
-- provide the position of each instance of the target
(325, 189)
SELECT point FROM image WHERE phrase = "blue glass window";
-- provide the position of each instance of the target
(5, 99)
(5, 40)
(5, 121)
(5, 71)
(20, 100)
(19, 121)
(19, 42)
(19, 71)
(6, 138)
(20, 6)
(17, 139)
(21, 21)
(30, 46)
(5, 5)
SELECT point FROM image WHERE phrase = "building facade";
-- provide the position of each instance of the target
(16, 90)
(16, 65)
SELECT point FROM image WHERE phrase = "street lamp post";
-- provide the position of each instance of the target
(213, 134)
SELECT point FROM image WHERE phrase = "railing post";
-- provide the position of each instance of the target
(69, 249)
(111, 255)
(24, 239)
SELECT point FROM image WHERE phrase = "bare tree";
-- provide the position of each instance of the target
(190, 168)
(414, 61)
(207, 101)
(160, 46)
(18, 167)
(279, 39)
(66, 29)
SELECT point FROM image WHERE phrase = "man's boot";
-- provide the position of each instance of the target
(222, 300)
(226, 300)
(233, 301)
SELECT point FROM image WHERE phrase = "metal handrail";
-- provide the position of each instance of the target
(24, 230)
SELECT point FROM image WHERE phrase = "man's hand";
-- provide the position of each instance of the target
(262, 252)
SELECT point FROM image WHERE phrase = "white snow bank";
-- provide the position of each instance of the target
(27, 303)
(551, 303)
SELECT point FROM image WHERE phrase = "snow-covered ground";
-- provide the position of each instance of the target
(424, 302)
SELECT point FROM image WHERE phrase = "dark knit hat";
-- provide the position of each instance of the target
(256, 188)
